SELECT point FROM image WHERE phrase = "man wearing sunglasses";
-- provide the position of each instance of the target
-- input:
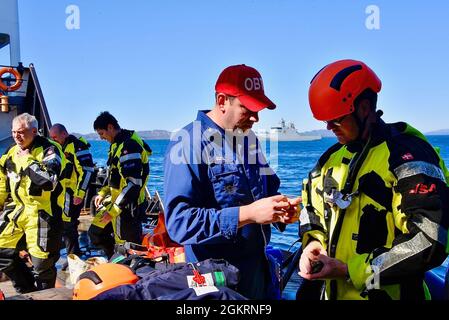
(220, 194)
(375, 214)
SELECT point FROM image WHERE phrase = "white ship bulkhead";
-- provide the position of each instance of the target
(9, 30)
(285, 133)
(9, 35)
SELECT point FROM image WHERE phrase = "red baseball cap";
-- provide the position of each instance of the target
(245, 83)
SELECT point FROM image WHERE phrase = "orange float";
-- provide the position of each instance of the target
(16, 75)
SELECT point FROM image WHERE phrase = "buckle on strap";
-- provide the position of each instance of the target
(336, 198)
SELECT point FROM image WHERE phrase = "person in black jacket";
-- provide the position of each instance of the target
(122, 202)
(79, 174)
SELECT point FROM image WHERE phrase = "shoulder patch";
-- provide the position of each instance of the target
(408, 156)
(405, 148)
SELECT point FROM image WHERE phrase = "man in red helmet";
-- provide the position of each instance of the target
(376, 205)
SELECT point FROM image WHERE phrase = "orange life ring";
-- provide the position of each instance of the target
(16, 75)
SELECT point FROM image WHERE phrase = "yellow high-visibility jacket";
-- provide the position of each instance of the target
(395, 227)
(4, 190)
(34, 181)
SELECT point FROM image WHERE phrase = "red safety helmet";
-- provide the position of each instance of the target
(102, 278)
(335, 87)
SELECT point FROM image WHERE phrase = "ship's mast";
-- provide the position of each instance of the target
(282, 123)
(9, 30)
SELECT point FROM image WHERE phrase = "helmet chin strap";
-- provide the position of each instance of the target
(361, 124)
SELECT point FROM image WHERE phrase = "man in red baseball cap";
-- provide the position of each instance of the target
(219, 203)
(240, 96)
(245, 83)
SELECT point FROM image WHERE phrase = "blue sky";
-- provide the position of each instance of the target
(153, 64)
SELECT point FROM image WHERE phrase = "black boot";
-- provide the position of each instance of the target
(21, 277)
(45, 271)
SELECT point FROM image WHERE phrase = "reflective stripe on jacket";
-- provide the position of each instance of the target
(395, 228)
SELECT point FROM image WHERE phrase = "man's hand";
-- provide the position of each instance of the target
(265, 211)
(314, 254)
(77, 201)
(292, 213)
(98, 200)
(310, 254)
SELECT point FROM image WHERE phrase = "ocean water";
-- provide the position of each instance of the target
(294, 161)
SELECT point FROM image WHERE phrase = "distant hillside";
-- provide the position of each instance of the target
(89, 136)
(146, 135)
(328, 133)
(155, 135)
(323, 133)
(443, 132)
(165, 135)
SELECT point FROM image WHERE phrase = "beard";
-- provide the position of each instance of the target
(243, 126)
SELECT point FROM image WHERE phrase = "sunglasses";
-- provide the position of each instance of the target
(336, 122)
